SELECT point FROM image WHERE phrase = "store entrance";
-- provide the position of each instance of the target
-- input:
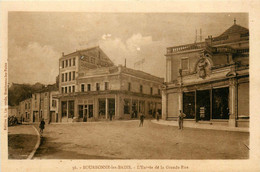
(203, 105)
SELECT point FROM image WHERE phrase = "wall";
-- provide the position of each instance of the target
(173, 105)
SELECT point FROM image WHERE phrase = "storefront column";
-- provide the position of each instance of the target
(106, 108)
(59, 111)
(232, 102)
(180, 101)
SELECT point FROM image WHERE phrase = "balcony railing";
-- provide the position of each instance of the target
(186, 47)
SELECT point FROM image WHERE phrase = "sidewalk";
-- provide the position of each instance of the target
(193, 124)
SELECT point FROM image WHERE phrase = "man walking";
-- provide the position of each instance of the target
(42, 124)
(180, 120)
(141, 120)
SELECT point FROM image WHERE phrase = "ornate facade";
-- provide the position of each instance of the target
(209, 80)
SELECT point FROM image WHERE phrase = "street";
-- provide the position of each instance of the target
(125, 140)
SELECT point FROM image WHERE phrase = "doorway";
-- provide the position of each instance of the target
(203, 105)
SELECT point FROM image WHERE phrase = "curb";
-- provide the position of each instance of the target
(37, 144)
(206, 128)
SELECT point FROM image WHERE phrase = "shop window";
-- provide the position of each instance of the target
(97, 86)
(71, 109)
(106, 85)
(126, 106)
(102, 107)
(189, 105)
(220, 103)
(111, 106)
(80, 111)
(63, 109)
(89, 87)
(185, 64)
(82, 87)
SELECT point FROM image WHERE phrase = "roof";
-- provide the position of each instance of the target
(234, 29)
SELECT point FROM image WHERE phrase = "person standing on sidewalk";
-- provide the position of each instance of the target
(42, 124)
(180, 120)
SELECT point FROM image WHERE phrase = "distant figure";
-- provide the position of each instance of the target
(110, 115)
(141, 120)
(157, 116)
(42, 124)
(181, 116)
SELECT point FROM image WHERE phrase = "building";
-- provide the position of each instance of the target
(45, 105)
(93, 88)
(209, 80)
(25, 110)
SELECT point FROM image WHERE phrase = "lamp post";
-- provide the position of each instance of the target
(180, 98)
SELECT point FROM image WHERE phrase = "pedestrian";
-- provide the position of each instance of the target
(181, 116)
(141, 120)
(42, 124)
(110, 115)
(157, 116)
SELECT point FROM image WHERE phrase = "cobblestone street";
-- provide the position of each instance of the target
(125, 140)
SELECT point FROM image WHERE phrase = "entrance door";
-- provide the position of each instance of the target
(203, 105)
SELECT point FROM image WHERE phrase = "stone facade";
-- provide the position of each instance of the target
(209, 81)
(101, 89)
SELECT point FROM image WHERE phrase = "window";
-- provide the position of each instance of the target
(66, 63)
(25, 106)
(69, 89)
(89, 87)
(82, 87)
(29, 106)
(151, 90)
(73, 76)
(66, 90)
(74, 61)
(106, 85)
(97, 86)
(62, 89)
(63, 64)
(62, 77)
(70, 76)
(69, 62)
(126, 106)
(101, 107)
(129, 86)
(66, 76)
(141, 89)
(185, 64)
(53, 103)
(73, 88)
(159, 91)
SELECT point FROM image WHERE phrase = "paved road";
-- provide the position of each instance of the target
(125, 140)
(21, 141)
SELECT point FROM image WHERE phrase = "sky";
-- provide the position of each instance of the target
(36, 40)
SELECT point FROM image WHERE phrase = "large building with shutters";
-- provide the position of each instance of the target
(209, 80)
(91, 88)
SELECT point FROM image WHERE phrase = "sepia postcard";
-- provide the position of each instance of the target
(130, 86)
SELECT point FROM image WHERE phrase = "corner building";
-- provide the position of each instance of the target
(209, 80)
(92, 87)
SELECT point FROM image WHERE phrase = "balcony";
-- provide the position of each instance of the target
(186, 47)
